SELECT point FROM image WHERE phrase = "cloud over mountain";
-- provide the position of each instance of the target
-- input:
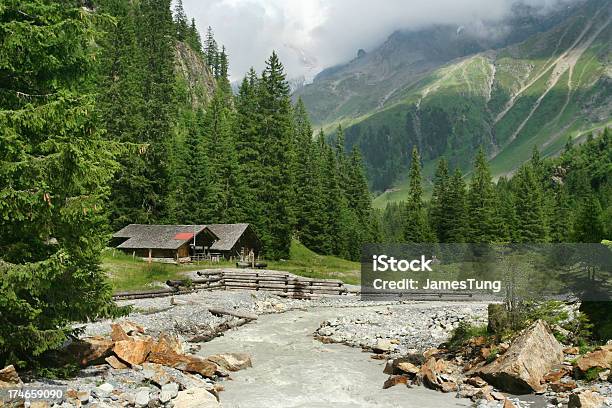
(313, 34)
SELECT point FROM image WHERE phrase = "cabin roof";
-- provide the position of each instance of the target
(158, 236)
(228, 234)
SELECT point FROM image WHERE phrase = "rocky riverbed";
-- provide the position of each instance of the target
(400, 328)
(298, 349)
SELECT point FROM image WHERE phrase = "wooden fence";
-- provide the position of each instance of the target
(283, 284)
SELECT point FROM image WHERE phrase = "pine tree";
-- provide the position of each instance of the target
(195, 184)
(249, 146)
(588, 224)
(507, 211)
(393, 223)
(308, 183)
(211, 51)
(360, 203)
(341, 160)
(222, 78)
(55, 167)
(139, 193)
(180, 21)
(357, 186)
(530, 225)
(275, 127)
(415, 227)
(336, 208)
(226, 190)
(561, 224)
(455, 211)
(193, 37)
(437, 215)
(481, 221)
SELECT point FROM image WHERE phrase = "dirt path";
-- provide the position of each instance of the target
(291, 369)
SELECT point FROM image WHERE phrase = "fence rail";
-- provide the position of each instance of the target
(283, 284)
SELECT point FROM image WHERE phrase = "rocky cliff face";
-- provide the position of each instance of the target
(194, 75)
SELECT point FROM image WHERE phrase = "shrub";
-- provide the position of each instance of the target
(464, 332)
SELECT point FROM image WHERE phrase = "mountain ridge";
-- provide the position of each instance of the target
(553, 84)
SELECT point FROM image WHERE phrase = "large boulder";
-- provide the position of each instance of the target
(232, 361)
(9, 377)
(522, 367)
(168, 343)
(432, 375)
(133, 351)
(185, 362)
(90, 350)
(600, 358)
(195, 398)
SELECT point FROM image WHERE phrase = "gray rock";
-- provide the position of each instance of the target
(104, 390)
(84, 396)
(171, 388)
(143, 396)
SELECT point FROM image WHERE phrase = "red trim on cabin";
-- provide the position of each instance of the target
(183, 235)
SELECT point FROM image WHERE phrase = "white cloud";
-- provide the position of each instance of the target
(313, 34)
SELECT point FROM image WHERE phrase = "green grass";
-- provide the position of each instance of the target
(305, 262)
(464, 332)
(130, 274)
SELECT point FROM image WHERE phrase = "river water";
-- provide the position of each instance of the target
(291, 369)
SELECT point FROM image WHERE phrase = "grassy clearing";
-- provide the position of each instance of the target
(305, 262)
(126, 273)
(130, 274)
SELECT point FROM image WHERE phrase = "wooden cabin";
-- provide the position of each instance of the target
(235, 240)
(229, 241)
(164, 241)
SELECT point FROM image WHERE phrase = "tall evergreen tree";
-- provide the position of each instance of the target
(211, 51)
(561, 224)
(393, 223)
(193, 37)
(530, 225)
(588, 224)
(455, 211)
(55, 167)
(180, 21)
(139, 193)
(276, 158)
(481, 222)
(415, 226)
(249, 145)
(437, 215)
(309, 203)
(226, 190)
(506, 203)
(336, 208)
(197, 189)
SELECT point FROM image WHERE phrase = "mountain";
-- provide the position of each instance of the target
(448, 91)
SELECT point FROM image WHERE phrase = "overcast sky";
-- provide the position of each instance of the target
(313, 34)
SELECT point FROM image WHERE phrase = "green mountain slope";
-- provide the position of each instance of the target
(555, 84)
(377, 78)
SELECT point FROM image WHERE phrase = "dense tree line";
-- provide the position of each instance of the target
(558, 199)
(98, 130)
(244, 158)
